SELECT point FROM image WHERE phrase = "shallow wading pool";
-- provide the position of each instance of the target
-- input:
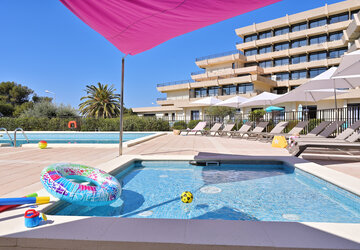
(255, 191)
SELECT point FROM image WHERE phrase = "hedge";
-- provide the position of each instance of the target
(131, 123)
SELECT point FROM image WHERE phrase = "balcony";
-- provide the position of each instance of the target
(220, 58)
(353, 31)
(227, 72)
(294, 35)
(171, 86)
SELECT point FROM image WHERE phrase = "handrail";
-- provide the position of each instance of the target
(20, 129)
(227, 53)
(198, 72)
(174, 83)
(7, 135)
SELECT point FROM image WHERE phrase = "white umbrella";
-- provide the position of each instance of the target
(208, 101)
(263, 99)
(233, 102)
(349, 70)
(299, 95)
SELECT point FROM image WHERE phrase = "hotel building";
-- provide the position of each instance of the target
(275, 56)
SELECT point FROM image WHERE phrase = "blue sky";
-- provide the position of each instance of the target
(44, 46)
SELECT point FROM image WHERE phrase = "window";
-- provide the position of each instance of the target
(354, 12)
(267, 76)
(229, 90)
(265, 64)
(337, 53)
(316, 71)
(317, 23)
(301, 74)
(335, 36)
(282, 76)
(299, 43)
(250, 38)
(281, 31)
(281, 90)
(281, 46)
(266, 49)
(281, 61)
(298, 27)
(200, 92)
(317, 39)
(246, 88)
(213, 91)
(250, 64)
(250, 52)
(298, 59)
(317, 56)
(339, 18)
(195, 115)
(265, 34)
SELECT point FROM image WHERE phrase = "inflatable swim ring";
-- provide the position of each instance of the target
(56, 179)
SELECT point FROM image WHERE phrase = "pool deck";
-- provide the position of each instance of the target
(20, 171)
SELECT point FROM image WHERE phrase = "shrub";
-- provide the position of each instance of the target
(180, 125)
(48, 109)
(256, 115)
(193, 123)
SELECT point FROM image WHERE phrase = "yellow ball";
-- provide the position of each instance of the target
(187, 197)
(42, 144)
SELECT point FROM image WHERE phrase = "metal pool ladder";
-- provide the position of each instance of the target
(1, 129)
(22, 131)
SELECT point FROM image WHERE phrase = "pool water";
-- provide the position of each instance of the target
(263, 191)
(80, 137)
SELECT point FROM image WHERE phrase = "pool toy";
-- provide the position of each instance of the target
(71, 123)
(187, 197)
(104, 189)
(42, 144)
(6, 207)
(24, 200)
(33, 218)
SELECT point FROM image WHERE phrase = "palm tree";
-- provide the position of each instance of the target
(100, 101)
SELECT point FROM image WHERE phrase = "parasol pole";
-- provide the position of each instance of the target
(121, 106)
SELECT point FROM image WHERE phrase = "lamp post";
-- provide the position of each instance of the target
(49, 92)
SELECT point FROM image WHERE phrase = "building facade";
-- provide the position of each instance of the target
(275, 56)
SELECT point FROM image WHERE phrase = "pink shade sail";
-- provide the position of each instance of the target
(134, 26)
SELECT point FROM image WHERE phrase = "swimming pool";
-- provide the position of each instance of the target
(260, 191)
(73, 137)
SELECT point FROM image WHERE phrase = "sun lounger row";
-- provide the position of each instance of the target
(316, 138)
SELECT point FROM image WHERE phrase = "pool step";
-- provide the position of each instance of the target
(205, 163)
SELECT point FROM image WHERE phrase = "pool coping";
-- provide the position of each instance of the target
(126, 144)
(186, 234)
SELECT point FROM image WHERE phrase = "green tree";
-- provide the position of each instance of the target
(6, 109)
(37, 98)
(218, 111)
(48, 109)
(13, 93)
(100, 101)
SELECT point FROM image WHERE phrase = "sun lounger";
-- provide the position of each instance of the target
(342, 136)
(278, 129)
(348, 143)
(258, 129)
(227, 129)
(295, 130)
(199, 128)
(318, 129)
(329, 130)
(213, 129)
(244, 128)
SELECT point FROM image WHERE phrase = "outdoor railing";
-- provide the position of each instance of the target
(198, 72)
(161, 99)
(227, 53)
(174, 83)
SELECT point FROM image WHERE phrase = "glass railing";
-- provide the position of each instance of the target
(228, 53)
(174, 83)
(161, 99)
(198, 72)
